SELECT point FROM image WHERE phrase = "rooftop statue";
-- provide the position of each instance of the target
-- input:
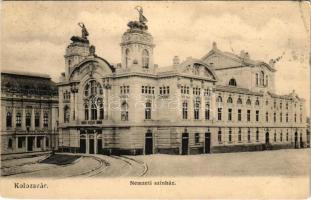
(142, 18)
(84, 31)
(141, 24)
(84, 34)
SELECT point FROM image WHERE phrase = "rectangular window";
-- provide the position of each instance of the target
(219, 113)
(257, 115)
(248, 115)
(257, 134)
(286, 117)
(230, 135)
(274, 117)
(249, 135)
(274, 138)
(229, 114)
(281, 117)
(197, 138)
(219, 135)
(185, 110)
(20, 142)
(287, 136)
(267, 117)
(207, 112)
(281, 136)
(240, 135)
(239, 115)
(143, 89)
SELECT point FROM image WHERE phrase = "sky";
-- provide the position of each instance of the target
(34, 35)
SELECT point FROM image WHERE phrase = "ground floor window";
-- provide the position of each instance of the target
(257, 134)
(230, 135)
(47, 142)
(20, 142)
(240, 135)
(249, 135)
(219, 135)
(10, 143)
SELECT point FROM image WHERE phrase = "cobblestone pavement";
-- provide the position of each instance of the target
(289, 163)
(65, 165)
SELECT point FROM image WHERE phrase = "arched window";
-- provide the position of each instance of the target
(46, 119)
(148, 110)
(185, 110)
(219, 99)
(262, 78)
(37, 119)
(18, 119)
(239, 101)
(86, 90)
(66, 114)
(86, 111)
(257, 102)
(229, 100)
(93, 111)
(145, 59)
(28, 119)
(8, 119)
(266, 80)
(197, 110)
(127, 58)
(101, 108)
(248, 102)
(232, 82)
(124, 111)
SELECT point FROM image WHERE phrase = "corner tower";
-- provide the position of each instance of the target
(77, 50)
(137, 45)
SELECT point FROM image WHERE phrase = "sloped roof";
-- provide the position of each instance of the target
(27, 83)
(240, 60)
(235, 89)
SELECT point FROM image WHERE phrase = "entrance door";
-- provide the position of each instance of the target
(296, 140)
(82, 146)
(184, 143)
(30, 144)
(91, 146)
(148, 143)
(99, 146)
(207, 142)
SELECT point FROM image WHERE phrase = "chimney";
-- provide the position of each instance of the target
(246, 56)
(214, 45)
(176, 60)
(242, 54)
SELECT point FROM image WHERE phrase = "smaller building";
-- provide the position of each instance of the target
(29, 112)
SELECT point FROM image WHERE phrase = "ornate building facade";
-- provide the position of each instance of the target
(29, 105)
(219, 103)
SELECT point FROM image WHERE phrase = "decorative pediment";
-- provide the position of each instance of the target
(89, 67)
(196, 68)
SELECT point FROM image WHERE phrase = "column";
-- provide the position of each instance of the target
(14, 118)
(87, 142)
(72, 106)
(34, 144)
(26, 143)
(107, 93)
(23, 118)
(95, 142)
(16, 144)
(44, 141)
(32, 119)
(41, 117)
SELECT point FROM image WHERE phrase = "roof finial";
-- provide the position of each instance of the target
(84, 31)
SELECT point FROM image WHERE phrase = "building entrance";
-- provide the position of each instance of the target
(148, 143)
(207, 148)
(90, 141)
(30, 143)
(184, 143)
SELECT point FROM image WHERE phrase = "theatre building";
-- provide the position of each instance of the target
(219, 103)
(29, 111)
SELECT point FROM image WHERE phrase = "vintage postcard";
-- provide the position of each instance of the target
(158, 99)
